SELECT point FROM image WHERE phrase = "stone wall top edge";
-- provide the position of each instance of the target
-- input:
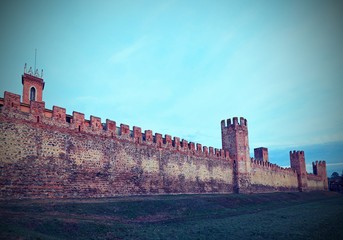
(268, 165)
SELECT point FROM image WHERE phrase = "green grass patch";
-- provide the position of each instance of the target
(315, 215)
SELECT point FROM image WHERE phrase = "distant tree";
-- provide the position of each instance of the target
(334, 175)
(336, 182)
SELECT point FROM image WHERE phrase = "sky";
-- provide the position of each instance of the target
(180, 67)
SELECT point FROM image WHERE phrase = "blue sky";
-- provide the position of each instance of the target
(180, 67)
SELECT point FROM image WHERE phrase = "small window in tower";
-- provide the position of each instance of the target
(32, 94)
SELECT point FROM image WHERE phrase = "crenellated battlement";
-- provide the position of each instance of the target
(270, 166)
(297, 159)
(296, 154)
(234, 123)
(319, 168)
(319, 163)
(36, 112)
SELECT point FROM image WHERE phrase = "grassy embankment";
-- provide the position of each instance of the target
(317, 215)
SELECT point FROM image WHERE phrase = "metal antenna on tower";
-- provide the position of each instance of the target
(35, 59)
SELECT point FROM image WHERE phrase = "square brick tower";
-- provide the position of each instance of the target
(33, 86)
(297, 159)
(235, 141)
(319, 169)
(261, 154)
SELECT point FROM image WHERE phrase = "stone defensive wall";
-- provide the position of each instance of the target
(268, 177)
(50, 154)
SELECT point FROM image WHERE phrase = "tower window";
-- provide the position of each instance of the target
(32, 94)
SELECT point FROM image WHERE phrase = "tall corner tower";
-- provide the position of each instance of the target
(235, 140)
(33, 86)
(297, 159)
(319, 169)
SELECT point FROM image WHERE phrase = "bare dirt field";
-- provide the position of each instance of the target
(315, 215)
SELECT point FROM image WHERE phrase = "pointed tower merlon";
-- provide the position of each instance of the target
(211, 151)
(315, 167)
(191, 146)
(261, 154)
(199, 148)
(124, 130)
(217, 152)
(33, 87)
(78, 120)
(168, 140)
(176, 143)
(59, 114)
(137, 134)
(184, 145)
(148, 136)
(242, 121)
(235, 121)
(11, 101)
(111, 127)
(95, 123)
(205, 150)
(222, 124)
(158, 140)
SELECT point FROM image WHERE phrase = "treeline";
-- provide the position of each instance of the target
(336, 182)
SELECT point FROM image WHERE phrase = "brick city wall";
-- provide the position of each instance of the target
(315, 182)
(49, 157)
(50, 154)
(267, 177)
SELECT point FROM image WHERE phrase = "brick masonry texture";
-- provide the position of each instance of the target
(50, 154)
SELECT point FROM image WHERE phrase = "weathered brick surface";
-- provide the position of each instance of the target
(59, 114)
(12, 101)
(38, 160)
(266, 177)
(261, 154)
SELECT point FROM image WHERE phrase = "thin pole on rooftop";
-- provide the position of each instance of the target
(35, 59)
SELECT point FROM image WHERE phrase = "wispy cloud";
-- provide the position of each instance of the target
(334, 164)
(125, 53)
